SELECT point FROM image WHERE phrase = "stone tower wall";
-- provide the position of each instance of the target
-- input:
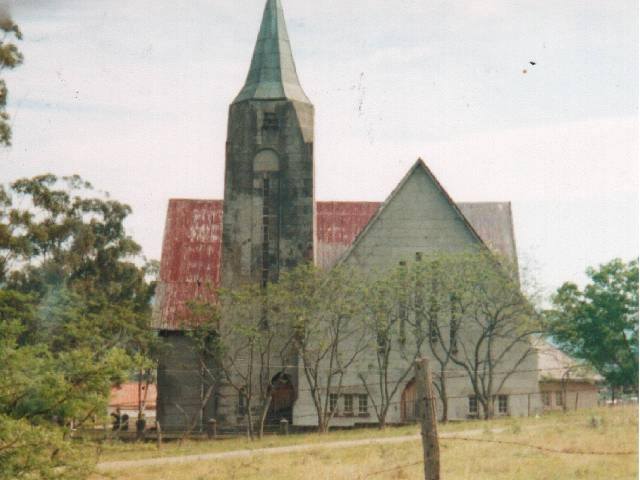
(284, 129)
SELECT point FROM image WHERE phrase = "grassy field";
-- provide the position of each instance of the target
(600, 430)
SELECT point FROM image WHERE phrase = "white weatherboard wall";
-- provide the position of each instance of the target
(417, 217)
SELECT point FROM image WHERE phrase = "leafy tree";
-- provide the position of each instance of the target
(39, 392)
(599, 323)
(10, 58)
(69, 251)
(74, 308)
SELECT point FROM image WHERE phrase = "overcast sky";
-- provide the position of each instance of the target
(133, 95)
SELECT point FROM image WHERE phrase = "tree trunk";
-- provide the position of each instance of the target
(487, 407)
(250, 422)
(263, 415)
(322, 428)
(443, 397)
(382, 421)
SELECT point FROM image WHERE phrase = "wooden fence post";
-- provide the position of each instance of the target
(427, 410)
(158, 435)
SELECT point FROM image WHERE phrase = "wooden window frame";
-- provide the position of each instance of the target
(473, 406)
(347, 403)
(363, 404)
(503, 404)
(333, 402)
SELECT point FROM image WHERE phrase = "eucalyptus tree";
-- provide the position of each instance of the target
(74, 308)
(10, 58)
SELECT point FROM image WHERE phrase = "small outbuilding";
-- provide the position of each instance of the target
(565, 382)
(129, 398)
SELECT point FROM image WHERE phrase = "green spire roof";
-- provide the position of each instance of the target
(273, 72)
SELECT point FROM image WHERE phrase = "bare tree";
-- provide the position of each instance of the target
(399, 336)
(250, 347)
(438, 311)
(325, 312)
(491, 333)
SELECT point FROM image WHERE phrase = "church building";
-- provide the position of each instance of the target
(269, 221)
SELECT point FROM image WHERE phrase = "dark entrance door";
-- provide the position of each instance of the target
(408, 404)
(283, 396)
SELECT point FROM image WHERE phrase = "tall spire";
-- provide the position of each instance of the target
(273, 72)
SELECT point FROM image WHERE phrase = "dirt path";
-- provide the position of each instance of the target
(149, 462)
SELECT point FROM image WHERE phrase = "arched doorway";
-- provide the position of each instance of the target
(408, 404)
(283, 396)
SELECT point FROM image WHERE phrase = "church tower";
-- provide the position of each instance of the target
(269, 186)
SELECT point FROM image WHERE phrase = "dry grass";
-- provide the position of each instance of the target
(128, 451)
(615, 429)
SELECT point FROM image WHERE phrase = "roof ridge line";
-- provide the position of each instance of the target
(419, 163)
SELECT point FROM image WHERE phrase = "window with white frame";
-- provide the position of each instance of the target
(546, 399)
(559, 399)
(503, 404)
(348, 404)
(333, 402)
(473, 405)
(363, 404)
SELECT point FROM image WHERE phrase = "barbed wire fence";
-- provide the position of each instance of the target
(562, 451)
(431, 440)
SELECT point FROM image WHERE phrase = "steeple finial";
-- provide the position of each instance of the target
(273, 72)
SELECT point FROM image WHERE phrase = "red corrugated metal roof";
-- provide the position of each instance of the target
(191, 252)
(190, 265)
(192, 247)
(127, 396)
(338, 225)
